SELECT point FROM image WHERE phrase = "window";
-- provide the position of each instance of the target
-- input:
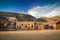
(21, 24)
(19, 27)
(25, 26)
(32, 26)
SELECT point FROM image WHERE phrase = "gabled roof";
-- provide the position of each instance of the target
(54, 22)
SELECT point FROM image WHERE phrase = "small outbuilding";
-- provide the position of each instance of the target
(52, 25)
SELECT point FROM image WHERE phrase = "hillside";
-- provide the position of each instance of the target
(45, 19)
(42, 19)
(19, 16)
(51, 18)
(8, 14)
(55, 18)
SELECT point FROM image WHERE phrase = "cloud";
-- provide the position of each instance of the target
(55, 12)
(45, 11)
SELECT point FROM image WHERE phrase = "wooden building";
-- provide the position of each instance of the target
(25, 25)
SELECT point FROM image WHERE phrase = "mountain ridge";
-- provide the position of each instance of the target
(19, 16)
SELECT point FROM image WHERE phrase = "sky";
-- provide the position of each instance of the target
(36, 8)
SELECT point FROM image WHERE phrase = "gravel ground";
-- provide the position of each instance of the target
(30, 35)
